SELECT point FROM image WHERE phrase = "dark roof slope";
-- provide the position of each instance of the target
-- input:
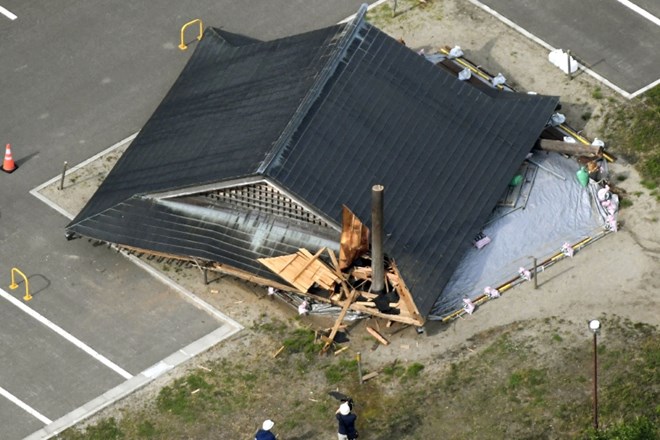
(232, 236)
(326, 115)
(220, 118)
(444, 151)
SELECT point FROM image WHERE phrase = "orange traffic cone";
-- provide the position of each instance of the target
(8, 166)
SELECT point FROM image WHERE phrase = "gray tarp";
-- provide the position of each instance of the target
(556, 212)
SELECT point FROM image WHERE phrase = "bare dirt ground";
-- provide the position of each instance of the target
(616, 275)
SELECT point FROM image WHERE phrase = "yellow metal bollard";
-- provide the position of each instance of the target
(183, 46)
(13, 284)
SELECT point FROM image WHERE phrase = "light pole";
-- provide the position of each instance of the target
(594, 326)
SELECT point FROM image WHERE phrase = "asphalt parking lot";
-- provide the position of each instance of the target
(616, 39)
(77, 78)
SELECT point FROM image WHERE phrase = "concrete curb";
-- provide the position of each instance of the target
(128, 387)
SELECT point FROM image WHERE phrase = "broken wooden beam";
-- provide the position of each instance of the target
(277, 353)
(378, 336)
(339, 320)
(341, 350)
(571, 148)
(371, 375)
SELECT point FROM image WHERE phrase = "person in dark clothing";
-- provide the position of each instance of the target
(346, 422)
(264, 433)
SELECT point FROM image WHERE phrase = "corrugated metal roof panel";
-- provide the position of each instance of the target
(220, 118)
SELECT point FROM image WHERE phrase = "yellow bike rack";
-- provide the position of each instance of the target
(13, 284)
(183, 46)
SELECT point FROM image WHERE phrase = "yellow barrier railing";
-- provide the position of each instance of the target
(183, 46)
(13, 284)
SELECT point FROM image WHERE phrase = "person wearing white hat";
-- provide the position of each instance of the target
(264, 432)
(346, 420)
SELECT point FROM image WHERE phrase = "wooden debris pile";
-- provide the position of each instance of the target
(346, 281)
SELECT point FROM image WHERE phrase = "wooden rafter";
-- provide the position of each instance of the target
(340, 318)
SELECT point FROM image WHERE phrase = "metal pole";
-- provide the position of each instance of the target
(66, 164)
(536, 273)
(359, 365)
(377, 263)
(595, 382)
(568, 54)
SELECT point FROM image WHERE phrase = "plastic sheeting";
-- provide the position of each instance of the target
(561, 59)
(557, 211)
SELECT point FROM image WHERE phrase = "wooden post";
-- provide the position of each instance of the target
(536, 275)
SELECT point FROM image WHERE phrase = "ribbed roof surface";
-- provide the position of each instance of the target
(444, 151)
(220, 118)
(325, 115)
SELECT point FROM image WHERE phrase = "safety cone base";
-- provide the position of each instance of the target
(10, 171)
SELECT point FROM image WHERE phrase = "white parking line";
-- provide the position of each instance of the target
(66, 335)
(643, 12)
(24, 406)
(536, 39)
(7, 13)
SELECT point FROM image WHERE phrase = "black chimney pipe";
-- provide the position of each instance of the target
(377, 259)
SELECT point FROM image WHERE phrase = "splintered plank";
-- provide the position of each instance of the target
(302, 270)
(354, 239)
(406, 296)
(343, 283)
(378, 336)
(339, 320)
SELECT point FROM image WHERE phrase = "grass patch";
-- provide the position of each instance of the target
(597, 93)
(537, 395)
(336, 373)
(649, 184)
(181, 398)
(302, 341)
(146, 429)
(271, 327)
(625, 203)
(640, 428)
(104, 430)
(635, 132)
(414, 370)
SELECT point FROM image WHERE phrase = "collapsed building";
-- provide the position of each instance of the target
(261, 159)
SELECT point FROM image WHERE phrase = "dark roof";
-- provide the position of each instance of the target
(220, 118)
(324, 115)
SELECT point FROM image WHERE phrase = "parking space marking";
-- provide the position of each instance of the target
(641, 11)
(24, 406)
(7, 13)
(539, 41)
(66, 335)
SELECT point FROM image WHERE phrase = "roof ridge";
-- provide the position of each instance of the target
(347, 36)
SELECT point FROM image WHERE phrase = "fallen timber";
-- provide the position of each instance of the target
(482, 78)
